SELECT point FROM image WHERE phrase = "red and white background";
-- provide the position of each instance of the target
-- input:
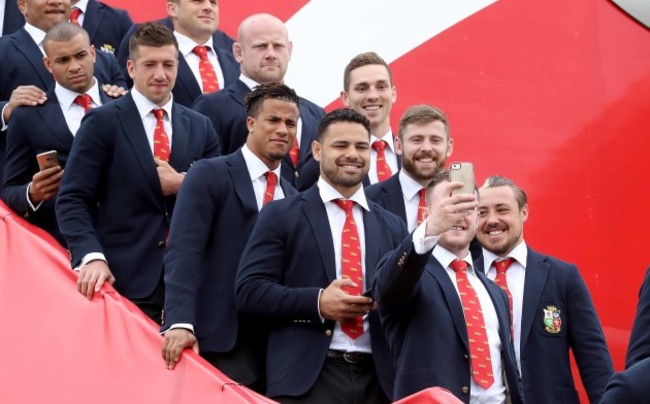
(554, 94)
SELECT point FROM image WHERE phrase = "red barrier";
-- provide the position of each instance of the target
(60, 347)
(432, 395)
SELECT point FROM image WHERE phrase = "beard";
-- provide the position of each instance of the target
(422, 173)
(336, 176)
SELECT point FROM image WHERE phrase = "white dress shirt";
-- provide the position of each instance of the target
(81, 5)
(411, 194)
(186, 47)
(515, 276)
(3, 5)
(336, 219)
(391, 156)
(256, 170)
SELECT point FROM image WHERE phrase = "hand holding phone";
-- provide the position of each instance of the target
(48, 159)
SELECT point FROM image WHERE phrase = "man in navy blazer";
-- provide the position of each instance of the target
(28, 190)
(13, 18)
(424, 316)
(195, 23)
(265, 62)
(629, 386)
(117, 195)
(213, 219)
(639, 346)
(368, 89)
(550, 303)
(294, 272)
(106, 25)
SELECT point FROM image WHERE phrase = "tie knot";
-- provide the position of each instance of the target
(271, 178)
(502, 266)
(458, 265)
(201, 51)
(84, 101)
(159, 113)
(74, 15)
(345, 204)
(423, 194)
(379, 145)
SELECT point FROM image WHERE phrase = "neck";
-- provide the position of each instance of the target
(423, 182)
(380, 129)
(345, 191)
(199, 37)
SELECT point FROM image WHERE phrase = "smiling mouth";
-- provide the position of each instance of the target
(495, 232)
(372, 107)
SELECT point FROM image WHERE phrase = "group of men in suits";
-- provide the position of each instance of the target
(283, 299)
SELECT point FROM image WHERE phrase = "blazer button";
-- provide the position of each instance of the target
(161, 244)
(297, 174)
(465, 390)
(466, 357)
(328, 333)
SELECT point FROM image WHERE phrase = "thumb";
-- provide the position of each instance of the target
(195, 347)
(345, 282)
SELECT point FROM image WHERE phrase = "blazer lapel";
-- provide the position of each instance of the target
(239, 91)
(314, 209)
(536, 275)
(26, 45)
(53, 115)
(186, 78)
(137, 137)
(92, 19)
(372, 227)
(181, 131)
(393, 199)
(451, 297)
(243, 185)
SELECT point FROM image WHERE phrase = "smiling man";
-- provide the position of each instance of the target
(213, 219)
(30, 192)
(125, 168)
(550, 303)
(424, 145)
(447, 325)
(308, 260)
(368, 89)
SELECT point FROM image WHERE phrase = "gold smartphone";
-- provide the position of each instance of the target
(462, 172)
(47, 159)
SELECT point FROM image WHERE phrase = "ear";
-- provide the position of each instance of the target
(21, 6)
(171, 9)
(250, 122)
(92, 53)
(394, 94)
(290, 50)
(48, 63)
(524, 213)
(345, 99)
(237, 52)
(398, 146)
(450, 147)
(130, 68)
(316, 150)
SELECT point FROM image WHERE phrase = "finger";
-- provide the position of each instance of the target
(111, 279)
(345, 282)
(100, 281)
(195, 347)
(90, 289)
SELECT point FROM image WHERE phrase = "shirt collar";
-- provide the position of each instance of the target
(81, 5)
(410, 187)
(388, 138)
(67, 97)
(445, 257)
(186, 44)
(328, 194)
(248, 81)
(37, 34)
(519, 253)
(145, 106)
(256, 167)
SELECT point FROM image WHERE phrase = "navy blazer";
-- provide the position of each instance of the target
(388, 194)
(110, 199)
(22, 64)
(551, 282)
(216, 203)
(14, 19)
(288, 260)
(639, 346)
(423, 319)
(629, 386)
(35, 130)
(228, 114)
(106, 26)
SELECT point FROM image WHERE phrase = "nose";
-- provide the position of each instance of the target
(159, 72)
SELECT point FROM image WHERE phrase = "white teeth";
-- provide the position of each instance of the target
(426, 160)
(495, 232)
(371, 107)
(456, 228)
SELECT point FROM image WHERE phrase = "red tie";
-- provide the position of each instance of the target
(294, 153)
(421, 205)
(476, 334)
(208, 76)
(74, 15)
(271, 182)
(84, 101)
(383, 170)
(501, 280)
(160, 139)
(351, 265)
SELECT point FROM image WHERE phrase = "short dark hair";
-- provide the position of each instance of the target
(499, 181)
(63, 32)
(421, 115)
(265, 91)
(342, 115)
(364, 59)
(152, 34)
(442, 176)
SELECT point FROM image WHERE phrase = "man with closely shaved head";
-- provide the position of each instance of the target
(263, 51)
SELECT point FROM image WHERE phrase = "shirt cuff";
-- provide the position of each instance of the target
(29, 201)
(94, 256)
(421, 243)
(2, 119)
(318, 306)
(186, 326)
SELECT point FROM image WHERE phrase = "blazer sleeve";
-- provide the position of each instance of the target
(259, 286)
(586, 337)
(18, 165)
(639, 346)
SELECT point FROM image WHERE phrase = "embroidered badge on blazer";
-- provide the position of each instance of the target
(108, 48)
(552, 320)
